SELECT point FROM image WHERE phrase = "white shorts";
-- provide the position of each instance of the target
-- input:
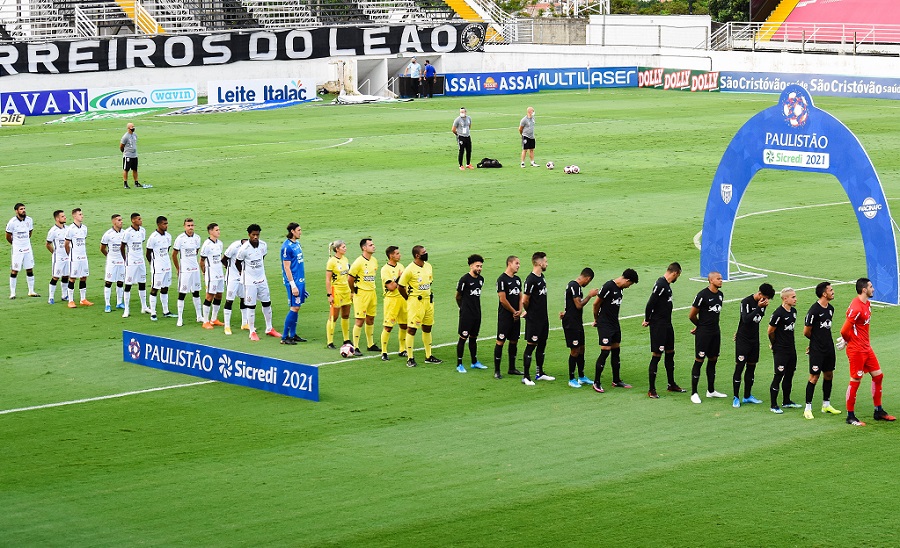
(235, 289)
(256, 292)
(215, 286)
(60, 267)
(188, 282)
(115, 273)
(79, 269)
(135, 274)
(22, 260)
(161, 279)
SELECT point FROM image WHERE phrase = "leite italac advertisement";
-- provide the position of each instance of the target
(270, 90)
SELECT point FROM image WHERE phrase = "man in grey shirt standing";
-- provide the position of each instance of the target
(526, 130)
(414, 71)
(128, 146)
(461, 127)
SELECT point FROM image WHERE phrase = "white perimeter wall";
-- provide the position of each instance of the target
(511, 58)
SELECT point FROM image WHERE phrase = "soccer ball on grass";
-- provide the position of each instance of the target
(550, 165)
(572, 170)
(347, 351)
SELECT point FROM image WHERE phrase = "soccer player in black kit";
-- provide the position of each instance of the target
(606, 319)
(781, 335)
(468, 298)
(537, 323)
(573, 325)
(509, 324)
(705, 312)
(658, 317)
(817, 328)
(746, 342)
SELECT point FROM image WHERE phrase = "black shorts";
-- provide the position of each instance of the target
(662, 338)
(574, 336)
(536, 331)
(527, 143)
(707, 344)
(745, 353)
(609, 335)
(129, 164)
(469, 327)
(820, 361)
(784, 361)
(508, 328)
(465, 141)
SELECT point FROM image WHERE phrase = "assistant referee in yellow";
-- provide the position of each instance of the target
(415, 286)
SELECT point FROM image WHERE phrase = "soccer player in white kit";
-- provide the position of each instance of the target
(234, 288)
(135, 268)
(187, 244)
(158, 244)
(214, 275)
(59, 257)
(76, 243)
(110, 244)
(18, 234)
(256, 286)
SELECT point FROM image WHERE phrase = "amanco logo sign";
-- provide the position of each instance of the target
(141, 97)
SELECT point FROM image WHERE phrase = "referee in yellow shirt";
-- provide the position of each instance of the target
(365, 302)
(394, 303)
(415, 286)
(338, 289)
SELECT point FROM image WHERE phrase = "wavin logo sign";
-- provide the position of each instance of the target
(119, 98)
(225, 366)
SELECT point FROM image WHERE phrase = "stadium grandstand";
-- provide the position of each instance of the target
(855, 26)
(41, 20)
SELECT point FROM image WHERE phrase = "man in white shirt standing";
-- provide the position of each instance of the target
(135, 268)
(256, 286)
(214, 275)
(234, 287)
(18, 234)
(158, 244)
(59, 256)
(76, 244)
(187, 244)
(110, 244)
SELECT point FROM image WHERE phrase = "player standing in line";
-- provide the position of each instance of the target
(606, 320)
(784, 350)
(855, 337)
(361, 279)
(110, 244)
(256, 286)
(468, 299)
(462, 127)
(213, 276)
(817, 328)
(234, 288)
(293, 272)
(658, 317)
(509, 312)
(337, 288)
(526, 130)
(135, 268)
(158, 244)
(537, 322)
(76, 245)
(59, 255)
(394, 303)
(415, 286)
(18, 234)
(746, 343)
(128, 147)
(705, 312)
(187, 244)
(573, 325)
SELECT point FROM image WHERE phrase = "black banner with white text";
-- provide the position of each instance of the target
(218, 49)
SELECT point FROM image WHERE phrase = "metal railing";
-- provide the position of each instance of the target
(35, 20)
(172, 16)
(280, 15)
(818, 37)
(393, 11)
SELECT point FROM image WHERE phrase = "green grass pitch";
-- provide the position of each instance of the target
(429, 457)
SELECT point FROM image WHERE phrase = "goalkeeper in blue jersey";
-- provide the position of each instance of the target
(294, 274)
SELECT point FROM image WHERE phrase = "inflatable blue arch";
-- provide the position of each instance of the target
(795, 135)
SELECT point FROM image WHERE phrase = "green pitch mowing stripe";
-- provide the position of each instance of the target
(393, 456)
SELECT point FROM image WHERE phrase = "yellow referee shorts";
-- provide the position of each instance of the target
(419, 312)
(365, 303)
(394, 311)
(341, 296)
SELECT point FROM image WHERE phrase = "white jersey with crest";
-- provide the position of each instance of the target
(134, 240)
(212, 252)
(57, 238)
(189, 247)
(112, 239)
(159, 244)
(21, 233)
(78, 236)
(253, 271)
